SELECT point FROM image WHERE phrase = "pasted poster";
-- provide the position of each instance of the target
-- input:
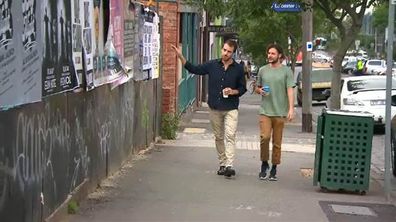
(131, 36)
(76, 15)
(99, 76)
(139, 73)
(114, 45)
(107, 60)
(117, 25)
(147, 40)
(58, 73)
(20, 76)
(88, 42)
(131, 40)
(156, 48)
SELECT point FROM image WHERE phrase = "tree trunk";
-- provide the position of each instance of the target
(346, 42)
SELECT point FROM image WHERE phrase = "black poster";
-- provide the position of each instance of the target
(57, 68)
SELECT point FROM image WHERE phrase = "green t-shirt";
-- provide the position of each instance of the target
(278, 79)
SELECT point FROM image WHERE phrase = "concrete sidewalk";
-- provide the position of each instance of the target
(177, 181)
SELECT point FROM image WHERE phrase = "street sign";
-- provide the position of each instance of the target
(357, 44)
(221, 29)
(309, 46)
(286, 7)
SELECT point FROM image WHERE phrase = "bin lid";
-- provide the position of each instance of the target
(348, 113)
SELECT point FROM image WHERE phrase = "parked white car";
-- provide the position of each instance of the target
(366, 94)
(375, 67)
(394, 69)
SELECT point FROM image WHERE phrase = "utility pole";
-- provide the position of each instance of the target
(389, 63)
(307, 67)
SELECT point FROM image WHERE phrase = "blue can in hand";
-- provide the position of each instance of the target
(266, 89)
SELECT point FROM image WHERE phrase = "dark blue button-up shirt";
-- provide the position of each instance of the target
(219, 79)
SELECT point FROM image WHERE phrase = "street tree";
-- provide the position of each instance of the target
(259, 25)
(380, 15)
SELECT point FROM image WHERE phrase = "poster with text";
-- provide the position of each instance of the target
(131, 36)
(99, 75)
(140, 74)
(156, 48)
(20, 53)
(76, 15)
(114, 45)
(148, 40)
(58, 71)
(88, 43)
(117, 25)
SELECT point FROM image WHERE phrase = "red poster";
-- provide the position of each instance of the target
(117, 23)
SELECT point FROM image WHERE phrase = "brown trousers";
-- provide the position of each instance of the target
(268, 125)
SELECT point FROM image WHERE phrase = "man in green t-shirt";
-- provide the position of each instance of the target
(275, 85)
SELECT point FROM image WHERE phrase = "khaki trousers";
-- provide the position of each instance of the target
(224, 125)
(275, 126)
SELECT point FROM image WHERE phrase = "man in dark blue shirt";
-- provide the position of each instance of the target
(225, 85)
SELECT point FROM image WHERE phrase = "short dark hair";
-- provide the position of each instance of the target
(275, 46)
(231, 43)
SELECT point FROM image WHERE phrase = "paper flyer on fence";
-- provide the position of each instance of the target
(88, 43)
(20, 53)
(58, 71)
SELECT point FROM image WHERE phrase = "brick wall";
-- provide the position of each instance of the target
(169, 11)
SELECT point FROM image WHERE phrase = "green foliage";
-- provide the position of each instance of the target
(72, 207)
(259, 26)
(380, 15)
(169, 125)
(215, 8)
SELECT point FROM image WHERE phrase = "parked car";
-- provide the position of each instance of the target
(366, 94)
(375, 67)
(321, 80)
(348, 59)
(394, 69)
(349, 67)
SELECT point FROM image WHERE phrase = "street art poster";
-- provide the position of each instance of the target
(20, 79)
(99, 76)
(114, 44)
(131, 41)
(156, 48)
(88, 42)
(58, 72)
(76, 14)
(107, 60)
(117, 25)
